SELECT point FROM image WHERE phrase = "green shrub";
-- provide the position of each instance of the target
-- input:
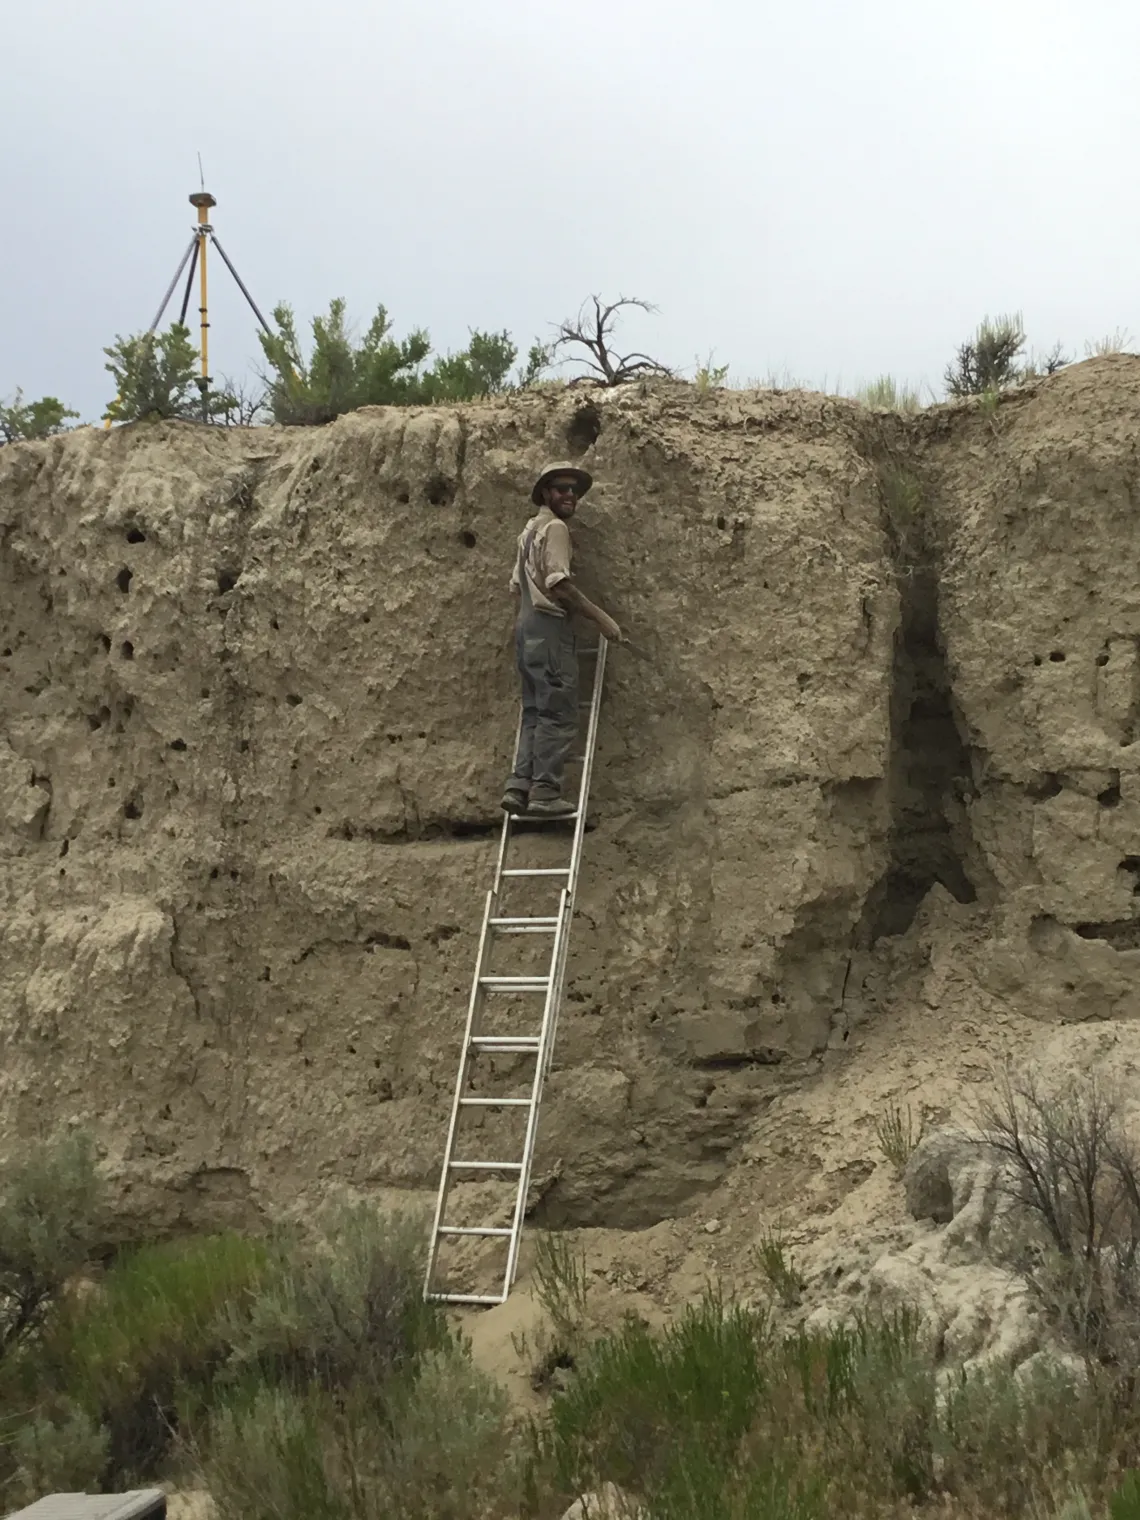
(448, 1450)
(991, 361)
(67, 1454)
(1051, 1423)
(51, 1205)
(267, 1459)
(1124, 1504)
(641, 1407)
(21, 420)
(344, 372)
(154, 376)
(341, 1304)
(140, 1352)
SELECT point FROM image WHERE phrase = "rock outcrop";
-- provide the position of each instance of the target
(256, 704)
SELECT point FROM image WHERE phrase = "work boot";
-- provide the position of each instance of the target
(514, 800)
(551, 807)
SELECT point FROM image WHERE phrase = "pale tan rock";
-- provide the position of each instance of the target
(266, 675)
(605, 1503)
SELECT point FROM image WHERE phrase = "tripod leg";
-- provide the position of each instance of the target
(240, 285)
(173, 283)
(189, 286)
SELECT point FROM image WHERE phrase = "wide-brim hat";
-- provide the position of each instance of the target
(583, 477)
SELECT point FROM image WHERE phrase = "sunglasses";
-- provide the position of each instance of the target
(564, 490)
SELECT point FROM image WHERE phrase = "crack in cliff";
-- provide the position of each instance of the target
(929, 775)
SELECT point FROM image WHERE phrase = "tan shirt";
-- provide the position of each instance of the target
(548, 561)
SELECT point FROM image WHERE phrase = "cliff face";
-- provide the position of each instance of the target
(257, 703)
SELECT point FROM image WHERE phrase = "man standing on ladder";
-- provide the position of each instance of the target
(546, 649)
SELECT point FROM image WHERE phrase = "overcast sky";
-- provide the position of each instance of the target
(835, 188)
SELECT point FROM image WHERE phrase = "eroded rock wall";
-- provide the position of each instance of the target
(1034, 514)
(256, 706)
(257, 703)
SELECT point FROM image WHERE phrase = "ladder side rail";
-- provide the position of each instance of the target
(505, 831)
(474, 1007)
(587, 767)
(558, 978)
(549, 1018)
(558, 967)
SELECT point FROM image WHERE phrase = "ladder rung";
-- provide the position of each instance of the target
(481, 1229)
(515, 983)
(511, 1043)
(487, 1166)
(544, 871)
(466, 1298)
(495, 1102)
(524, 925)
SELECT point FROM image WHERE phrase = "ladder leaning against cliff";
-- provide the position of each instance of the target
(537, 1043)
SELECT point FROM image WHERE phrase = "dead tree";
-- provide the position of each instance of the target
(593, 331)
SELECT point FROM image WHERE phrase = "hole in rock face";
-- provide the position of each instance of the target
(1045, 786)
(294, 700)
(105, 640)
(468, 539)
(178, 744)
(127, 650)
(403, 498)
(439, 492)
(1110, 797)
(123, 579)
(136, 536)
(721, 521)
(583, 430)
(1057, 656)
(1102, 658)
(133, 808)
(227, 580)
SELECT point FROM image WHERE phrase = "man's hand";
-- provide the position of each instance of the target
(609, 628)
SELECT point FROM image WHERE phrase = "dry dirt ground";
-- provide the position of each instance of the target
(867, 820)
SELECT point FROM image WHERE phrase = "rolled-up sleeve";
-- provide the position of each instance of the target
(556, 554)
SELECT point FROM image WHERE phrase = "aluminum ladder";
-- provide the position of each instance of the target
(536, 1043)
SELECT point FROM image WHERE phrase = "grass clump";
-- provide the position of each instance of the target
(778, 1266)
(897, 1134)
(886, 394)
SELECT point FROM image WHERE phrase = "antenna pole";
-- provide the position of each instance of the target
(203, 200)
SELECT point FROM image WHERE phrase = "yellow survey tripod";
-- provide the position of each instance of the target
(195, 256)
